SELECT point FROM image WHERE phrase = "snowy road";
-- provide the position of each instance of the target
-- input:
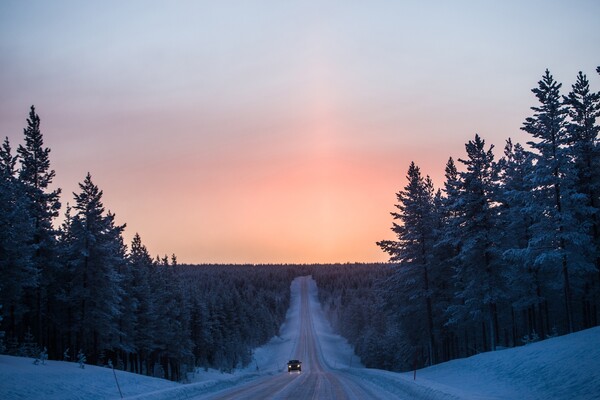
(318, 380)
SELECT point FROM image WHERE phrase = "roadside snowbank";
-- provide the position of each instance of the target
(565, 367)
(21, 379)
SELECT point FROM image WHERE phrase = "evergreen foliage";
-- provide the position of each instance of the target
(35, 176)
(80, 287)
(510, 246)
(411, 287)
(17, 270)
(478, 267)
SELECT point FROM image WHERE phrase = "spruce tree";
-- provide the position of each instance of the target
(67, 273)
(18, 273)
(583, 107)
(448, 243)
(528, 282)
(557, 237)
(478, 267)
(36, 175)
(413, 252)
(98, 253)
(145, 302)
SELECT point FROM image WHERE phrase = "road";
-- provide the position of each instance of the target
(316, 381)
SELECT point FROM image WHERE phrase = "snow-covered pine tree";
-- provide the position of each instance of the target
(583, 107)
(447, 248)
(172, 333)
(81, 359)
(127, 319)
(516, 213)
(67, 258)
(443, 291)
(97, 254)
(449, 209)
(42, 357)
(478, 267)
(412, 283)
(29, 346)
(36, 175)
(144, 319)
(18, 274)
(514, 194)
(556, 236)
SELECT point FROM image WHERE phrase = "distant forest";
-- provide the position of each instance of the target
(506, 253)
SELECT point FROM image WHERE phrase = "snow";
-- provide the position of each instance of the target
(566, 367)
(21, 379)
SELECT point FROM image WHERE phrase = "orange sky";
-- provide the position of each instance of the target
(275, 131)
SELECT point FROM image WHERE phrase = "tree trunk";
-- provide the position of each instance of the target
(540, 321)
(567, 292)
(432, 348)
(514, 326)
(493, 326)
(484, 336)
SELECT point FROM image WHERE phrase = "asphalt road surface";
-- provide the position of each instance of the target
(316, 381)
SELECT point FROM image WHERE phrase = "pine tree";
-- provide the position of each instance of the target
(413, 252)
(582, 137)
(98, 254)
(517, 212)
(172, 334)
(145, 302)
(36, 175)
(81, 359)
(18, 274)
(447, 241)
(67, 259)
(478, 270)
(556, 237)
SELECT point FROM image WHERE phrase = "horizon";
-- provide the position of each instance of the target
(275, 133)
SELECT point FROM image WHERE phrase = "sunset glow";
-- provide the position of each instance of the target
(280, 131)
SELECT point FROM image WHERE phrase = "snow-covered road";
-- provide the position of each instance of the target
(324, 375)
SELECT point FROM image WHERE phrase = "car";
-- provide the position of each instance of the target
(294, 365)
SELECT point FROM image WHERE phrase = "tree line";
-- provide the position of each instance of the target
(78, 290)
(506, 252)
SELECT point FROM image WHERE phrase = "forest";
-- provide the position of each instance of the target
(78, 292)
(505, 253)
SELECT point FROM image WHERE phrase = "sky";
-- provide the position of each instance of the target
(275, 131)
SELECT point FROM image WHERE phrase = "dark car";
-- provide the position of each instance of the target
(294, 365)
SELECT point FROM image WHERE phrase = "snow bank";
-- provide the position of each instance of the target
(21, 379)
(566, 367)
